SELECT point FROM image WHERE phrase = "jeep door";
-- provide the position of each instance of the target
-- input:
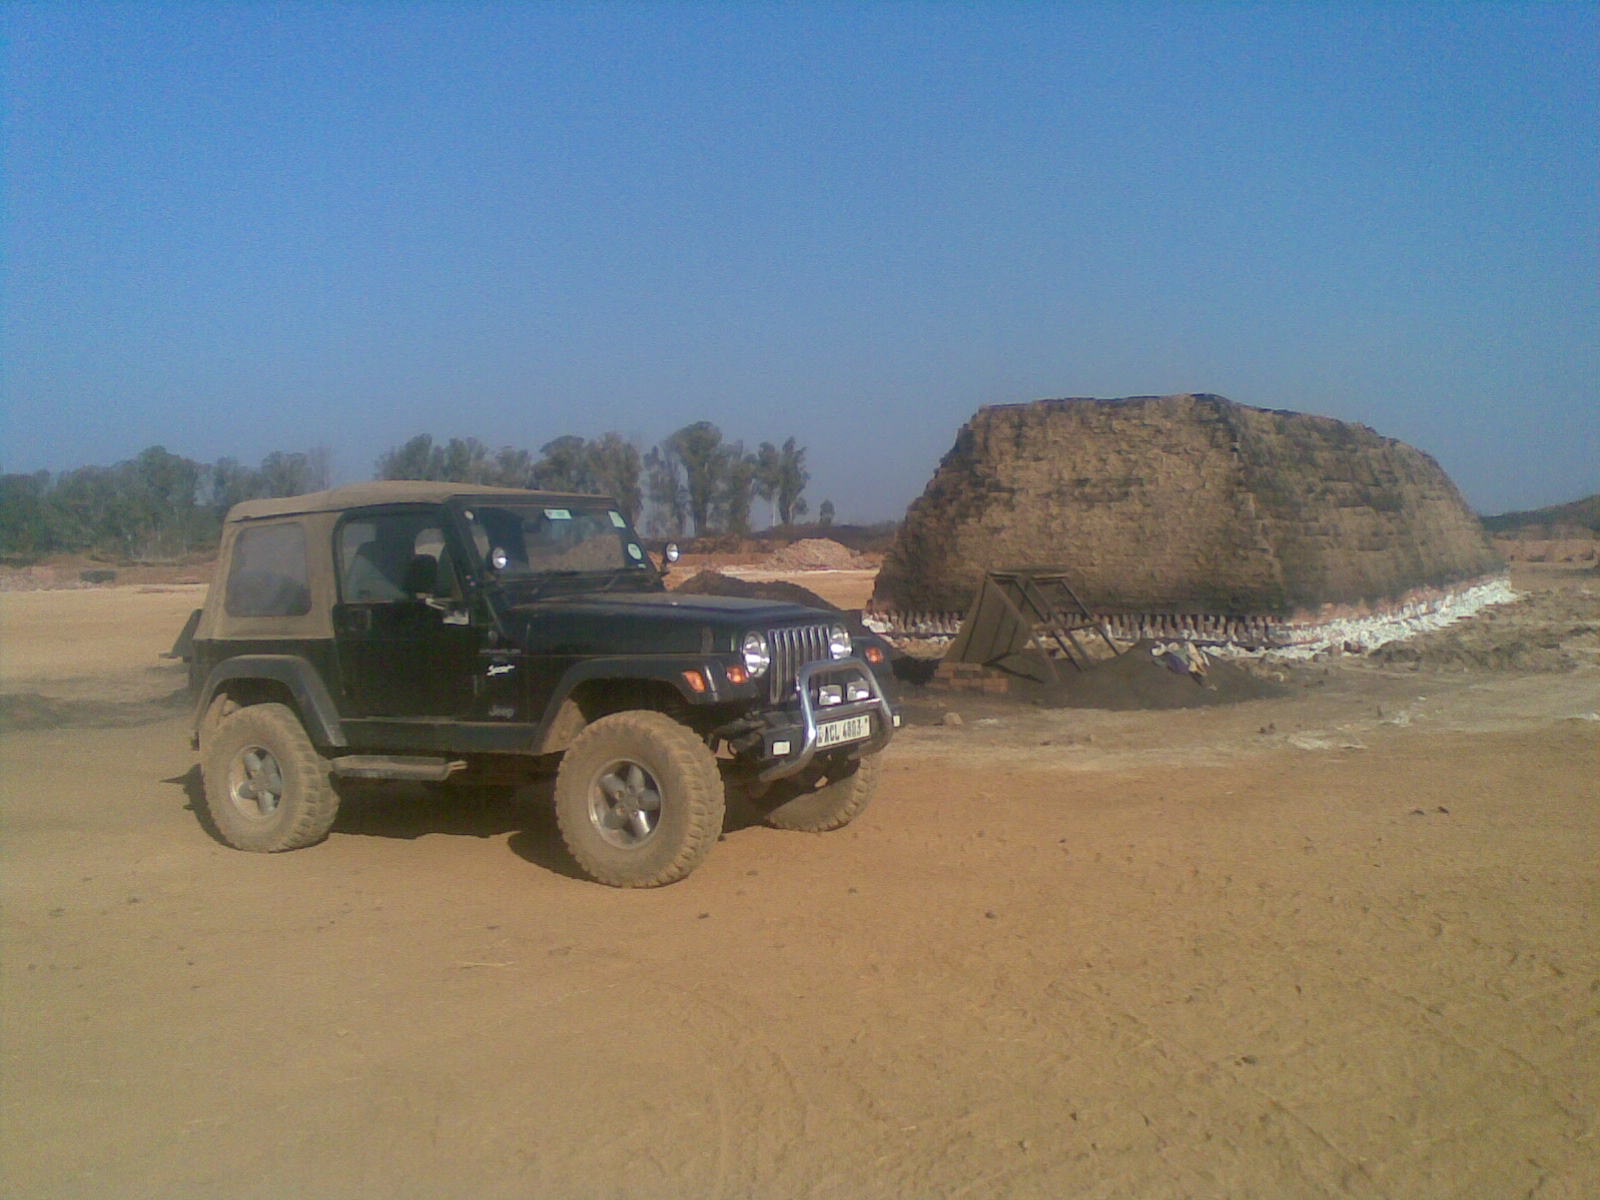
(407, 643)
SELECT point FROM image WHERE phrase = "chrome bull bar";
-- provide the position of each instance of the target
(849, 670)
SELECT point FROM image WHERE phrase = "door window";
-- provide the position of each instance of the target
(384, 557)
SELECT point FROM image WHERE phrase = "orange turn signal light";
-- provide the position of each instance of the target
(738, 675)
(695, 680)
(875, 655)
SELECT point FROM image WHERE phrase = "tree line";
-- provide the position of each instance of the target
(160, 505)
(693, 482)
(156, 505)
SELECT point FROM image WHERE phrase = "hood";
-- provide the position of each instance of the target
(651, 622)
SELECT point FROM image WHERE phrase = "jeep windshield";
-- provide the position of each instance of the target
(539, 545)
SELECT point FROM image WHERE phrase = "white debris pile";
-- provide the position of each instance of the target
(1361, 634)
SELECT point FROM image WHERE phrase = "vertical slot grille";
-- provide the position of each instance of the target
(792, 648)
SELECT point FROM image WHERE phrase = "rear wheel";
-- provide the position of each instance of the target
(639, 800)
(827, 795)
(267, 788)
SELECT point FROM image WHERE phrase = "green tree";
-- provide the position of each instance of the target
(460, 460)
(85, 509)
(464, 460)
(293, 474)
(792, 480)
(665, 488)
(412, 460)
(226, 483)
(155, 503)
(563, 466)
(700, 451)
(737, 489)
(512, 468)
(768, 473)
(24, 515)
(615, 466)
(825, 514)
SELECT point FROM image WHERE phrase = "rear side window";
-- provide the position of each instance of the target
(268, 577)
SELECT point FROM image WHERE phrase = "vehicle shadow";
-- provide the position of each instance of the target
(194, 795)
(408, 811)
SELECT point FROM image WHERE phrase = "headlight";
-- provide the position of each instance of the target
(839, 642)
(757, 658)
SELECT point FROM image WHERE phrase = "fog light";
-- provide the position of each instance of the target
(780, 748)
(829, 694)
(857, 691)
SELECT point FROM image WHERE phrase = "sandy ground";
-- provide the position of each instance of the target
(1337, 943)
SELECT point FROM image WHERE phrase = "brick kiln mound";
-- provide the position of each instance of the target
(1184, 504)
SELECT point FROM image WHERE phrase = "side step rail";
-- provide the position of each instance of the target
(395, 766)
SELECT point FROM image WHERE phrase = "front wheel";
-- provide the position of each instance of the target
(823, 797)
(267, 788)
(639, 800)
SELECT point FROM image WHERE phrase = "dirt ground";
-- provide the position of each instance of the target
(1341, 941)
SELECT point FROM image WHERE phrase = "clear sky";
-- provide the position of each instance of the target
(236, 228)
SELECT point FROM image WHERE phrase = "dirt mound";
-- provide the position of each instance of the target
(1575, 550)
(1144, 678)
(817, 554)
(713, 583)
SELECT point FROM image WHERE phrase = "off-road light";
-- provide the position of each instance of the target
(757, 658)
(856, 691)
(830, 694)
(839, 642)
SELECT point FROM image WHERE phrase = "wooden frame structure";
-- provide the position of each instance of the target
(1026, 620)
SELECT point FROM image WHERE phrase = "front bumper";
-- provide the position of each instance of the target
(830, 693)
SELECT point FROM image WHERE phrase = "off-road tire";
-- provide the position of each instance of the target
(267, 788)
(639, 800)
(823, 797)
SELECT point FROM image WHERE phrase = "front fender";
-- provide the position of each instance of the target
(555, 726)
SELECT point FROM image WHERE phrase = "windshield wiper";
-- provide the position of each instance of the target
(539, 580)
(616, 575)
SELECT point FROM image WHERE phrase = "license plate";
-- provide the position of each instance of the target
(851, 729)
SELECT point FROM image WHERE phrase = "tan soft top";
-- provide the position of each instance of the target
(319, 514)
(386, 491)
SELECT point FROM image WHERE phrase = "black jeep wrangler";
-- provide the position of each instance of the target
(446, 633)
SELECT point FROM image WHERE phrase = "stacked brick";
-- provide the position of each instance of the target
(1187, 507)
